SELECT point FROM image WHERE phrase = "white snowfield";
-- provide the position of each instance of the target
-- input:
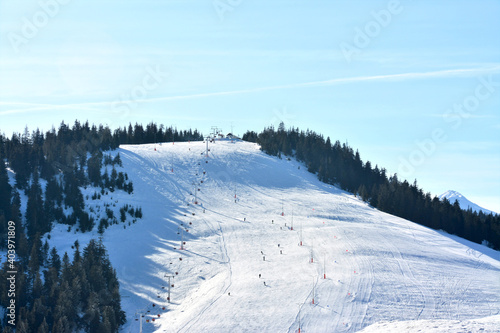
(488, 324)
(243, 269)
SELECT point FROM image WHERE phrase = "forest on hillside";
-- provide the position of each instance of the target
(57, 295)
(68, 159)
(50, 170)
(338, 164)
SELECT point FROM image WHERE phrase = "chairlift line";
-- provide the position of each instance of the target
(169, 285)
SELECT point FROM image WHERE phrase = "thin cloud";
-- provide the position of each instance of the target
(389, 77)
(469, 116)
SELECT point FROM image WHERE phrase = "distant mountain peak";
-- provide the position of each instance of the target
(465, 203)
(451, 193)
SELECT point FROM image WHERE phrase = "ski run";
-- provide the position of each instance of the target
(254, 243)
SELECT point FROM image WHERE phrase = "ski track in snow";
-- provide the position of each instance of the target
(190, 324)
(379, 267)
(406, 271)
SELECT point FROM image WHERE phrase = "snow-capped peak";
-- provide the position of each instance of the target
(464, 203)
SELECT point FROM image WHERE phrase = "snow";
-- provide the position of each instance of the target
(488, 324)
(463, 201)
(379, 268)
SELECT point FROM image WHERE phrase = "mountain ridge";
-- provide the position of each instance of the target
(464, 203)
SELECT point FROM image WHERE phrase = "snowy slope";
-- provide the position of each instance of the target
(488, 324)
(378, 267)
(463, 201)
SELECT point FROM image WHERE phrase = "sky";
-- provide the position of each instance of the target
(413, 85)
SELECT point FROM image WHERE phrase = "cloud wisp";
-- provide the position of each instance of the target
(30, 107)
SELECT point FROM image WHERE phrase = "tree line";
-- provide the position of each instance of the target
(68, 159)
(60, 160)
(62, 149)
(82, 294)
(338, 164)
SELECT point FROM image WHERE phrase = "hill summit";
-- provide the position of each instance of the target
(463, 201)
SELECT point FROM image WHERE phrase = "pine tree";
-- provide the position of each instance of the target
(18, 162)
(35, 257)
(37, 314)
(37, 286)
(22, 325)
(62, 325)
(64, 306)
(103, 224)
(78, 286)
(44, 252)
(35, 214)
(120, 181)
(86, 221)
(5, 190)
(117, 160)
(91, 316)
(44, 327)
(50, 286)
(53, 199)
(94, 168)
(114, 176)
(104, 326)
(362, 192)
(105, 179)
(76, 255)
(73, 195)
(16, 206)
(22, 247)
(55, 260)
(66, 274)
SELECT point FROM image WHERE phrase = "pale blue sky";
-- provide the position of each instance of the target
(253, 63)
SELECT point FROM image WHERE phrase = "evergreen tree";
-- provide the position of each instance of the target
(44, 327)
(53, 200)
(5, 190)
(114, 176)
(62, 326)
(35, 215)
(73, 195)
(16, 207)
(362, 192)
(22, 246)
(117, 160)
(86, 221)
(35, 260)
(76, 255)
(44, 252)
(66, 274)
(94, 168)
(19, 161)
(55, 260)
(37, 286)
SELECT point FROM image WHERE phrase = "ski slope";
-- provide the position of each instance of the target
(378, 267)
